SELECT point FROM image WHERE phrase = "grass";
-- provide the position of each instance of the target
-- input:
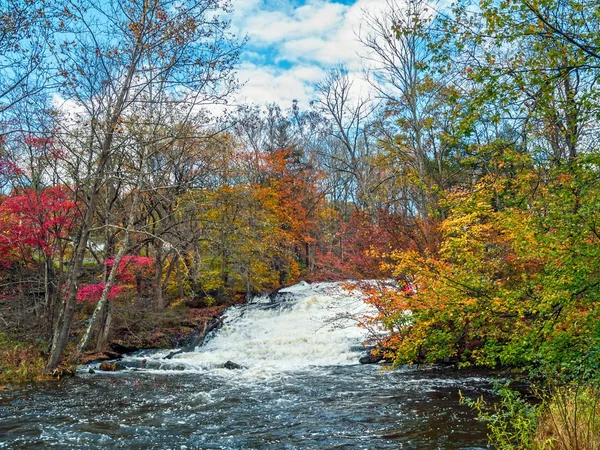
(567, 417)
(570, 419)
(20, 362)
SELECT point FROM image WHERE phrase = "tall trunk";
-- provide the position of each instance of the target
(104, 331)
(180, 282)
(170, 268)
(571, 118)
(112, 275)
(65, 317)
(158, 269)
(307, 258)
(109, 245)
(49, 292)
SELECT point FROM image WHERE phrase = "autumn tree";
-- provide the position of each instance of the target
(415, 127)
(24, 28)
(115, 59)
(526, 74)
(512, 278)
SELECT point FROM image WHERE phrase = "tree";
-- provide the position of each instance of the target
(24, 28)
(532, 78)
(118, 58)
(416, 124)
(351, 148)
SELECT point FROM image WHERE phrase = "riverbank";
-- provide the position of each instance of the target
(174, 333)
(24, 361)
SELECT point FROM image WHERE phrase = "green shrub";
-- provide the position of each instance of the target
(566, 417)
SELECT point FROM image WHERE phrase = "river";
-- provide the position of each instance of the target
(300, 387)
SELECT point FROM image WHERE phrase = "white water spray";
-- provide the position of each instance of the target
(307, 325)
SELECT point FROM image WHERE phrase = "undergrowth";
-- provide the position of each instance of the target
(20, 362)
(564, 417)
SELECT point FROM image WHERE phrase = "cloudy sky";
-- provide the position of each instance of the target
(292, 44)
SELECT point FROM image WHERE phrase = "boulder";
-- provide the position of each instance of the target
(91, 358)
(121, 349)
(370, 358)
(110, 367)
(230, 365)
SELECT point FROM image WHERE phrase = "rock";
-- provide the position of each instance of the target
(362, 348)
(121, 349)
(91, 370)
(370, 358)
(64, 371)
(232, 366)
(91, 358)
(110, 367)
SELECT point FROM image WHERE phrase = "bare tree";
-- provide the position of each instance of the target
(397, 53)
(118, 58)
(351, 146)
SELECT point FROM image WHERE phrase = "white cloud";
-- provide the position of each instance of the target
(340, 45)
(265, 84)
(313, 37)
(316, 18)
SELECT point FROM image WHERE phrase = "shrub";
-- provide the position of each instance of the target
(20, 362)
(567, 417)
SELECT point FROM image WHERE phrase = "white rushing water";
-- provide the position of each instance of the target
(304, 325)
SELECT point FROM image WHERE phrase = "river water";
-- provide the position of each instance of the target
(300, 387)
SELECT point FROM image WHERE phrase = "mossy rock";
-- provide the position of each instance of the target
(110, 367)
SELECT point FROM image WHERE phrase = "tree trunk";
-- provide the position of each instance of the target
(158, 269)
(180, 282)
(112, 275)
(104, 331)
(65, 317)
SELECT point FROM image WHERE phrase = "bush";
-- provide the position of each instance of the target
(20, 362)
(511, 422)
(567, 417)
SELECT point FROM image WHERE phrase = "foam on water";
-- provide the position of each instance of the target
(304, 325)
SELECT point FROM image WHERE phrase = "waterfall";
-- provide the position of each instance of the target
(305, 325)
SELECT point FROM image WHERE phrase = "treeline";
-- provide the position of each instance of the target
(123, 197)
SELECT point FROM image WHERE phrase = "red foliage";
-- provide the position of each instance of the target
(9, 169)
(357, 249)
(35, 220)
(132, 271)
(38, 142)
(133, 268)
(91, 293)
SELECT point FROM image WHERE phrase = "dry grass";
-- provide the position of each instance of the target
(570, 419)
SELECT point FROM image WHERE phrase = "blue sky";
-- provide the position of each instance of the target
(293, 44)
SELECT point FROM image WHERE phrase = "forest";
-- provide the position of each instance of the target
(469, 173)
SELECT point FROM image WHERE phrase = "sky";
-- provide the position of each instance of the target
(292, 44)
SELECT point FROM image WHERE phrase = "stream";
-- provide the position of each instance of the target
(300, 387)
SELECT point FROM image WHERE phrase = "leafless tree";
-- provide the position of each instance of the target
(351, 145)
